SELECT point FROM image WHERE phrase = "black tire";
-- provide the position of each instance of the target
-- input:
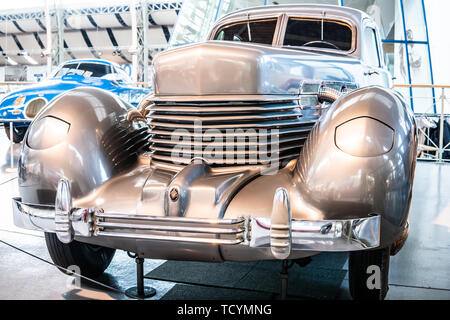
(92, 260)
(362, 278)
(18, 133)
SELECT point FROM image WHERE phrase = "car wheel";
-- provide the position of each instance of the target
(369, 274)
(92, 260)
(18, 133)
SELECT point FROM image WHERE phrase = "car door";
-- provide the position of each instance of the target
(375, 72)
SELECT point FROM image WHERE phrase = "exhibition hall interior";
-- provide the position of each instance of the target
(224, 150)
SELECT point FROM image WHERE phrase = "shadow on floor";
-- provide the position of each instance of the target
(321, 279)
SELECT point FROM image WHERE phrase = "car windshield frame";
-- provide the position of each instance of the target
(338, 20)
(281, 27)
(78, 63)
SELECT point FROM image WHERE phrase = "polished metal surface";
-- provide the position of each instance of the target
(281, 234)
(260, 70)
(280, 226)
(206, 69)
(98, 143)
(322, 235)
(238, 133)
(63, 211)
(413, 272)
(326, 183)
(344, 181)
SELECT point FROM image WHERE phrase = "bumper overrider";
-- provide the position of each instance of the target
(280, 233)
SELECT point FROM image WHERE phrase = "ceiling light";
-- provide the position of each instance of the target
(11, 61)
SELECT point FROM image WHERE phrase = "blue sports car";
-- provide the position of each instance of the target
(20, 107)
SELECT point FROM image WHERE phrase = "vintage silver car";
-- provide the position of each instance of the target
(278, 138)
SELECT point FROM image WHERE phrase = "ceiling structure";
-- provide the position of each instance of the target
(91, 32)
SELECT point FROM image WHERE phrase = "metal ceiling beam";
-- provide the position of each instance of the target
(159, 6)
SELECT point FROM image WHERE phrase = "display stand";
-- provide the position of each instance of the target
(140, 290)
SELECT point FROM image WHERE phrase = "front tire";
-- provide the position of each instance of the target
(92, 260)
(18, 133)
(369, 274)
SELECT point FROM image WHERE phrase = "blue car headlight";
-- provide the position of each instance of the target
(34, 106)
(47, 132)
(364, 137)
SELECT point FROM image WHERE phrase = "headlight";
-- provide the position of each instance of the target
(364, 137)
(19, 101)
(34, 106)
(47, 132)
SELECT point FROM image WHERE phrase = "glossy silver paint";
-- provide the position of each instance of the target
(281, 234)
(95, 148)
(103, 154)
(206, 69)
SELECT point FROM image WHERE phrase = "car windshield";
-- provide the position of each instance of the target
(257, 31)
(97, 70)
(318, 33)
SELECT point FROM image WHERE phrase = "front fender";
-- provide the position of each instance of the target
(328, 183)
(97, 143)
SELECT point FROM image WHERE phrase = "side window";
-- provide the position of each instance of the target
(256, 31)
(371, 53)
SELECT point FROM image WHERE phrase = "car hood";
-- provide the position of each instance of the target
(219, 67)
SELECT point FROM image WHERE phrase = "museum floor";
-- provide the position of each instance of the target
(419, 271)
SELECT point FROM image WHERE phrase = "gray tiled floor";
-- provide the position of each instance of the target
(419, 271)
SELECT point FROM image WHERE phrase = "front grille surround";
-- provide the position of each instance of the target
(227, 133)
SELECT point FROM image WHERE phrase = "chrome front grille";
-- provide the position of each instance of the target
(227, 133)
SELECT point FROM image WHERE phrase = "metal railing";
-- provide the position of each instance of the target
(432, 149)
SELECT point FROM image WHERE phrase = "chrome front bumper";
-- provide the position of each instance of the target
(280, 233)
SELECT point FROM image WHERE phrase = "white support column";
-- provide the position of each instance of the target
(441, 127)
(139, 48)
(48, 26)
(55, 34)
(143, 43)
(134, 41)
(59, 35)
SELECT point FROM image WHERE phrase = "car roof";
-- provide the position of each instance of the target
(90, 60)
(313, 9)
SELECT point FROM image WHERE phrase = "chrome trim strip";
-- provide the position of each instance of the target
(220, 98)
(281, 233)
(112, 225)
(213, 241)
(170, 219)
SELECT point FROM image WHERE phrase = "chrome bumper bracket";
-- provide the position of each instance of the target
(280, 228)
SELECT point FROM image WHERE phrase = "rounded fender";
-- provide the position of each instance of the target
(84, 136)
(360, 158)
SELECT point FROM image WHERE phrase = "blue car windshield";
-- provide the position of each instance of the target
(97, 70)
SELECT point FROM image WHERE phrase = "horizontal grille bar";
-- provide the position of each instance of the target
(256, 125)
(235, 133)
(186, 161)
(112, 225)
(223, 222)
(242, 132)
(225, 118)
(220, 231)
(233, 241)
(224, 143)
(223, 110)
